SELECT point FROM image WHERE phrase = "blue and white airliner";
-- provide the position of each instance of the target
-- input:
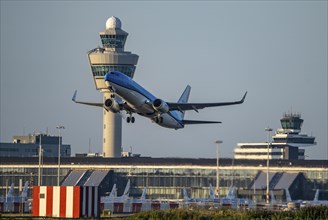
(136, 99)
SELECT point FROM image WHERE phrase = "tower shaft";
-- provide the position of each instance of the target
(112, 131)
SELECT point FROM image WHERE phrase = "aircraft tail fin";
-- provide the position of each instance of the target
(11, 191)
(25, 190)
(143, 195)
(127, 189)
(231, 192)
(316, 196)
(184, 99)
(212, 194)
(113, 192)
(185, 194)
(273, 199)
(288, 197)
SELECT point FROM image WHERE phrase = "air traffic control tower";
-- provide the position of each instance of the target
(103, 60)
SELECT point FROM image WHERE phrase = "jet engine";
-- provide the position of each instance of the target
(112, 105)
(161, 106)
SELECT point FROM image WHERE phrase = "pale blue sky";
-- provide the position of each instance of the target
(275, 50)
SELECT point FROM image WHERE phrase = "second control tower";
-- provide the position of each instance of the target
(102, 60)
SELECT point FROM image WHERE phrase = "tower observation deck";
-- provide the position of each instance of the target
(111, 57)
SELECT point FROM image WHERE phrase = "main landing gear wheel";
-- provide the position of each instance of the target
(130, 119)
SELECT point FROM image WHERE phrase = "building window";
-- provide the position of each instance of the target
(101, 70)
(113, 41)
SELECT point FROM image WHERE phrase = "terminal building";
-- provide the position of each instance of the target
(166, 177)
(28, 146)
(288, 143)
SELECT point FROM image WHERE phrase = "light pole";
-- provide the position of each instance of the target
(217, 167)
(39, 169)
(267, 177)
(59, 142)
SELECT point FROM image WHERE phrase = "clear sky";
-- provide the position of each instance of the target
(275, 50)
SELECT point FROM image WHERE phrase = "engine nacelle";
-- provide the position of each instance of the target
(161, 106)
(112, 105)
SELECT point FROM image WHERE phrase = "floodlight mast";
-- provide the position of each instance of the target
(218, 142)
(60, 127)
(267, 176)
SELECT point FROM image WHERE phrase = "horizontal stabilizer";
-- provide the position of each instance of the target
(192, 122)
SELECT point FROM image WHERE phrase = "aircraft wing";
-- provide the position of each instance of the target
(123, 106)
(86, 103)
(196, 106)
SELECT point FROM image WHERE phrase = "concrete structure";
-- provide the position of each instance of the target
(28, 146)
(285, 145)
(103, 60)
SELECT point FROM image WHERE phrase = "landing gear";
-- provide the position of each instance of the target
(130, 119)
(159, 120)
(112, 95)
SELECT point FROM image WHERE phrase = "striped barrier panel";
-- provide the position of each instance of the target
(56, 201)
(66, 201)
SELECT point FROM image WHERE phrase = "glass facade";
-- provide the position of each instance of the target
(101, 70)
(165, 182)
(11, 175)
(291, 123)
(113, 41)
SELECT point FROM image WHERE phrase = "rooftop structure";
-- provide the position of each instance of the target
(285, 145)
(28, 146)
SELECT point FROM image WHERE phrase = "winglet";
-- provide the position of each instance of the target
(74, 96)
(243, 99)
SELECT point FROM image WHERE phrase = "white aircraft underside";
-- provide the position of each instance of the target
(142, 106)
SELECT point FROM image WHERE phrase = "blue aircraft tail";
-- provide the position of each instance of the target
(184, 99)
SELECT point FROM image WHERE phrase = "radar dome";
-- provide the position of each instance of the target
(113, 22)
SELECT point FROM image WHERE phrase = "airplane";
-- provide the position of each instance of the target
(231, 200)
(9, 195)
(212, 196)
(10, 199)
(110, 201)
(187, 200)
(136, 99)
(113, 195)
(314, 202)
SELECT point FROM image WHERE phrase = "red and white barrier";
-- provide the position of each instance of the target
(57, 201)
